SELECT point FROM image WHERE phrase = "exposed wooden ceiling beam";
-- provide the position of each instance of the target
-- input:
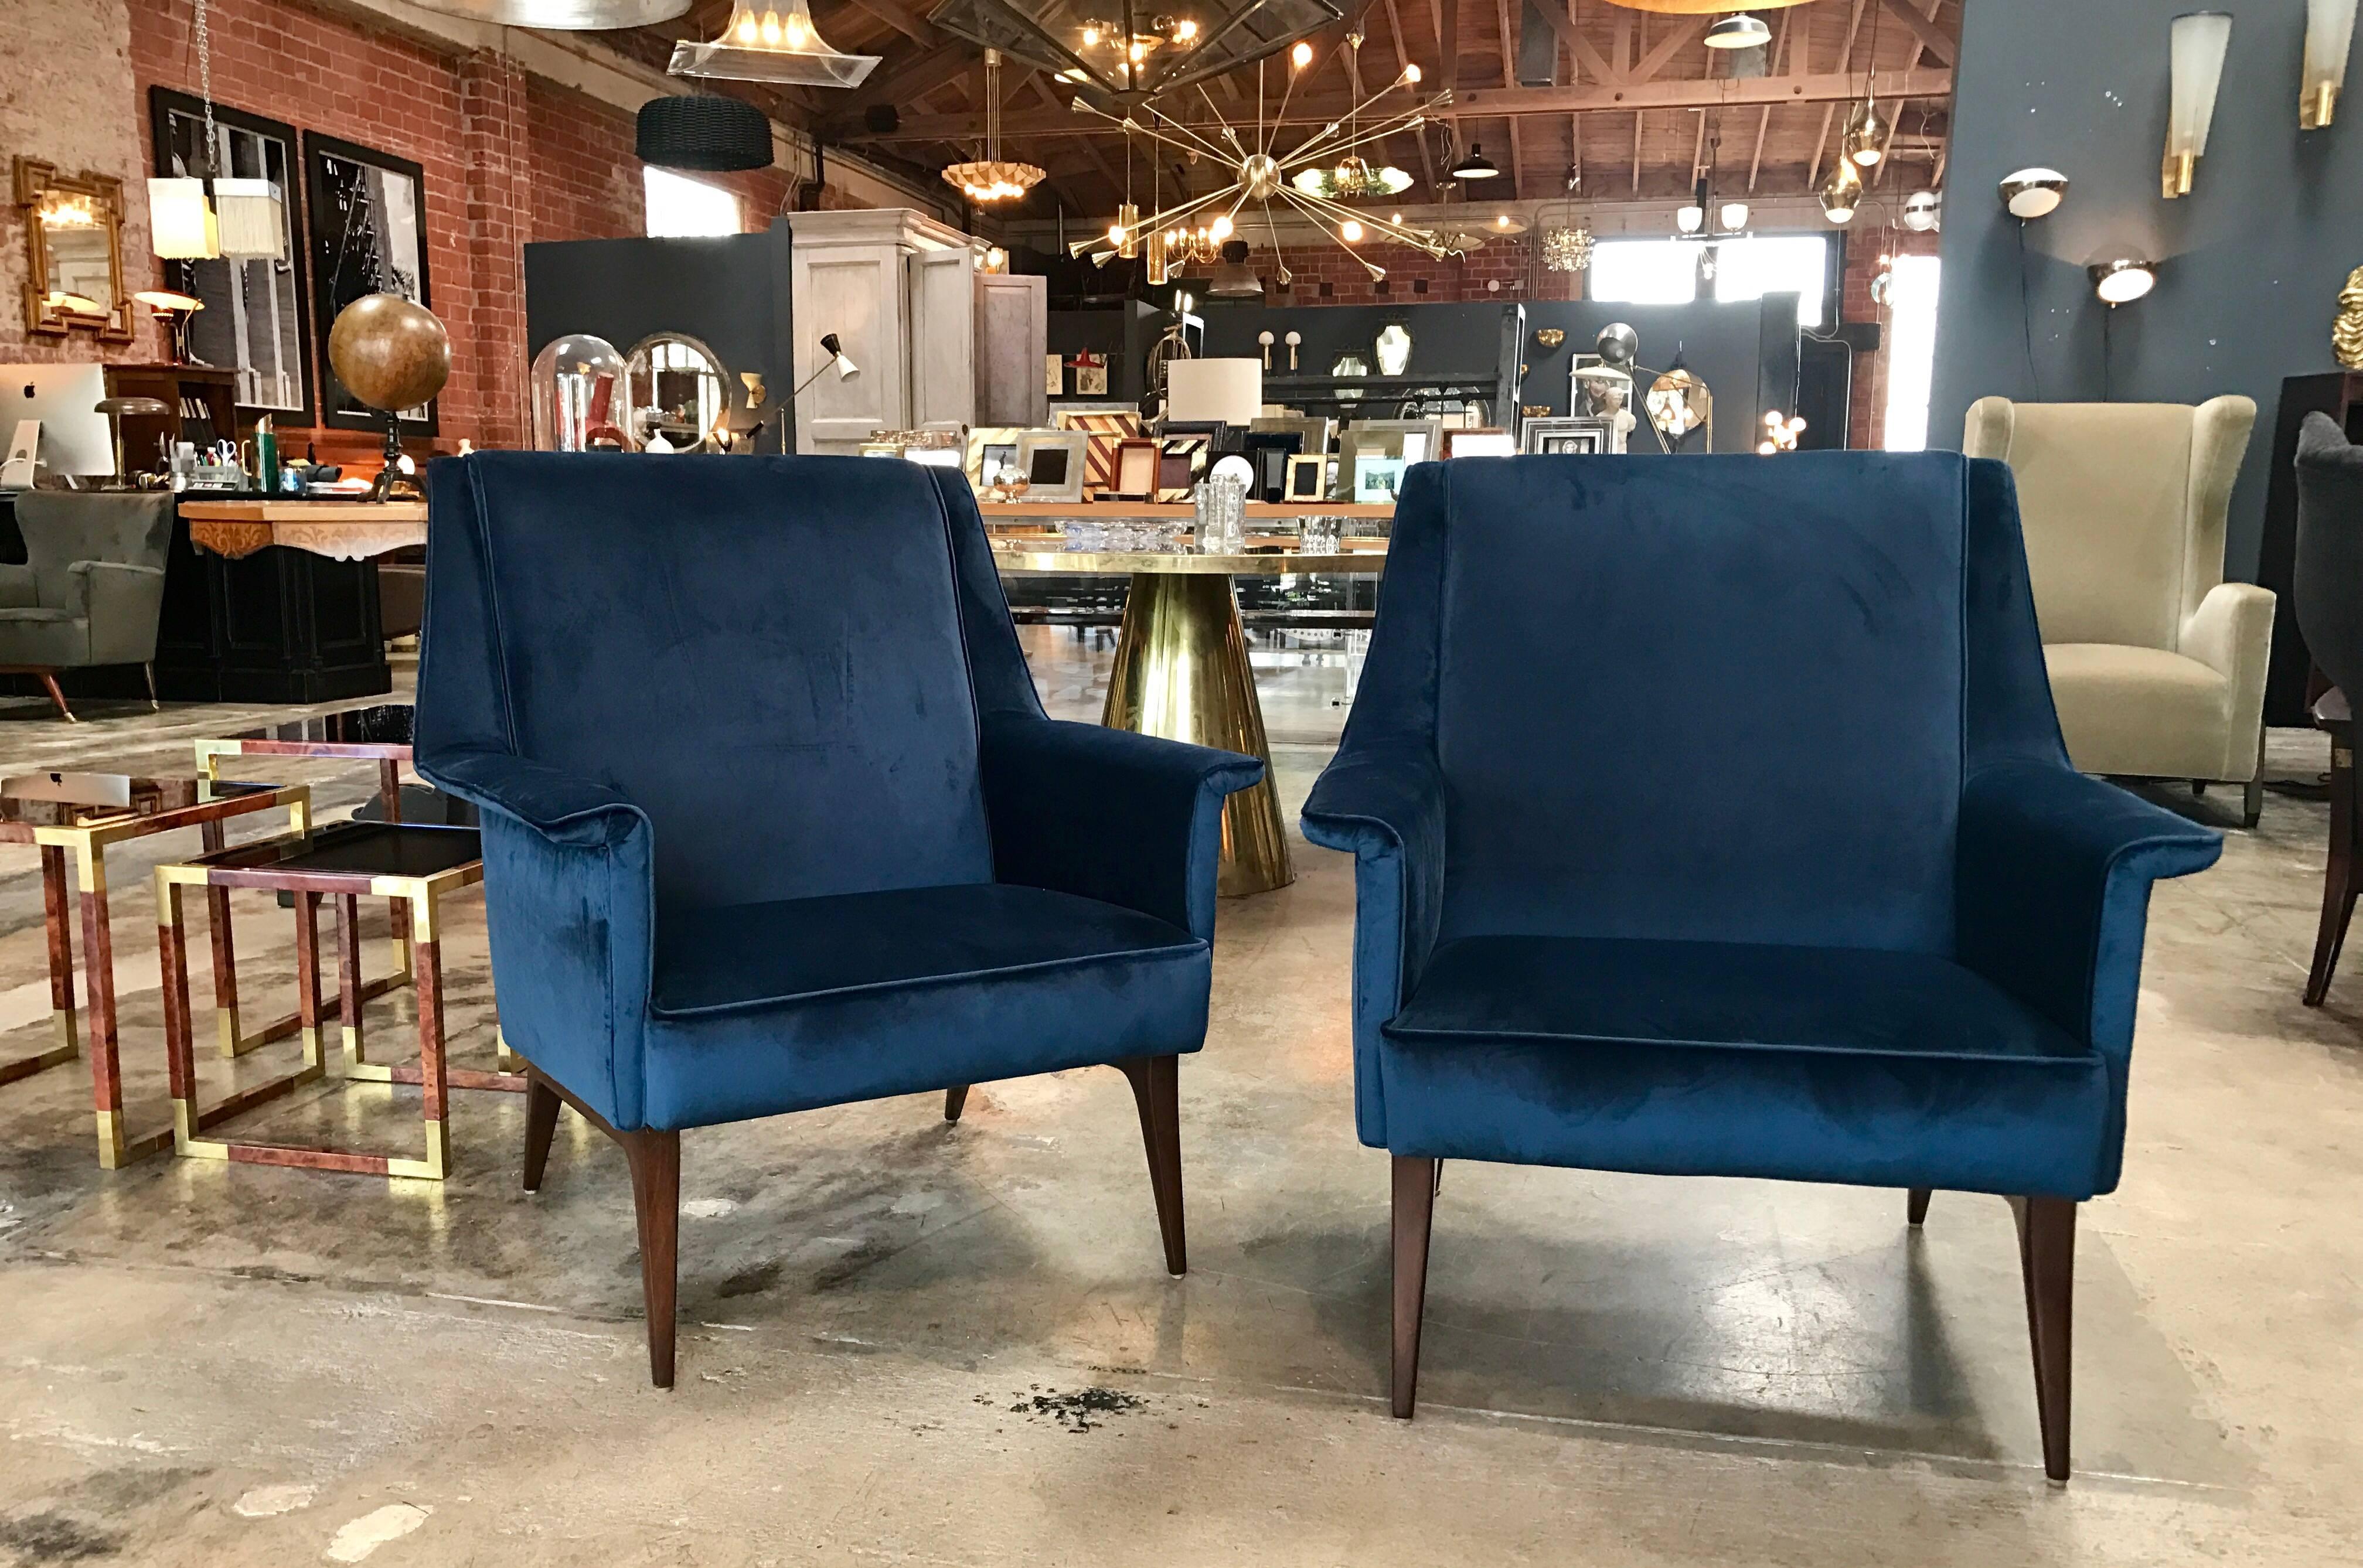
(1688, 31)
(1402, 60)
(906, 20)
(1932, 38)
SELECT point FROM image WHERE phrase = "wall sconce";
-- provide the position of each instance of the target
(2199, 42)
(2034, 193)
(2329, 29)
(2122, 281)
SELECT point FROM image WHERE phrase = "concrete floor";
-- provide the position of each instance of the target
(895, 1331)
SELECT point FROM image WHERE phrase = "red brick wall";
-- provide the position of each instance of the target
(508, 159)
(1867, 423)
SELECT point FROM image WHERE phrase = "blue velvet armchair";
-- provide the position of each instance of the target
(772, 816)
(1711, 819)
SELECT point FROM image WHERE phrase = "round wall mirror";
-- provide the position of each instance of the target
(678, 393)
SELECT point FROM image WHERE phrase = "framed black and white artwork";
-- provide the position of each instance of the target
(369, 237)
(255, 322)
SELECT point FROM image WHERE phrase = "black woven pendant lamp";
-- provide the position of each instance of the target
(705, 131)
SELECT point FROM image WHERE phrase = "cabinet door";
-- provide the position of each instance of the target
(1012, 331)
(856, 292)
(943, 336)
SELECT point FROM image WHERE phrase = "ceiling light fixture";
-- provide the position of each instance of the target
(990, 178)
(1867, 131)
(771, 40)
(1130, 52)
(1922, 210)
(2123, 282)
(1841, 194)
(200, 213)
(2034, 193)
(1476, 166)
(1742, 31)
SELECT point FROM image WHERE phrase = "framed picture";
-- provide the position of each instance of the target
(1316, 433)
(1268, 451)
(1136, 469)
(369, 237)
(1584, 435)
(1423, 439)
(1180, 463)
(1052, 462)
(256, 317)
(1308, 477)
(1106, 424)
(1480, 444)
(1378, 480)
(991, 448)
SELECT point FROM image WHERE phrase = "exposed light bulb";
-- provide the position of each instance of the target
(1115, 234)
(1184, 30)
(1411, 74)
(1090, 35)
(1350, 231)
(771, 28)
(1502, 222)
(1139, 51)
(1394, 219)
(1302, 55)
(796, 32)
(1220, 228)
(746, 29)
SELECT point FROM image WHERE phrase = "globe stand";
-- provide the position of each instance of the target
(391, 479)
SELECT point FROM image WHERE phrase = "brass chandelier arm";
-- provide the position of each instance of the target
(1436, 102)
(1338, 212)
(1154, 222)
(1297, 199)
(1306, 156)
(1196, 146)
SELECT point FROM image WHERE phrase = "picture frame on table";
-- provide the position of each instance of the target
(1485, 443)
(1378, 480)
(1308, 477)
(1581, 435)
(367, 213)
(1180, 463)
(1105, 423)
(1053, 462)
(1421, 440)
(1136, 463)
(1268, 451)
(989, 449)
(1317, 433)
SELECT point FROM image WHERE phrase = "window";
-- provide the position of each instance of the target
(679, 206)
(1666, 271)
(1910, 351)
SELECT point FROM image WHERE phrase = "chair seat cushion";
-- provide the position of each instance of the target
(764, 1008)
(2140, 711)
(36, 636)
(1898, 1069)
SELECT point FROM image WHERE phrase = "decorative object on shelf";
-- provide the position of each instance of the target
(73, 252)
(2329, 35)
(1052, 463)
(391, 354)
(562, 15)
(1136, 469)
(2122, 280)
(368, 216)
(703, 131)
(1567, 249)
(1105, 428)
(1294, 340)
(116, 409)
(1678, 402)
(1129, 55)
(1922, 211)
(2347, 333)
(676, 395)
(576, 380)
(1780, 433)
(1261, 176)
(1349, 365)
(2199, 41)
(175, 309)
(1394, 349)
(1378, 480)
(1841, 194)
(992, 454)
(1308, 477)
(991, 178)
(771, 40)
(2030, 193)
(1578, 436)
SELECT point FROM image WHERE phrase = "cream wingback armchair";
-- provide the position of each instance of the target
(2157, 664)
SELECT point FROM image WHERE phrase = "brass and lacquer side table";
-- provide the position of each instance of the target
(85, 814)
(346, 861)
(1181, 673)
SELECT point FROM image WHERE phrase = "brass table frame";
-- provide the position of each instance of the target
(421, 896)
(1181, 673)
(88, 843)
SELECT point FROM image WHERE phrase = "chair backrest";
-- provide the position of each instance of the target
(2328, 585)
(765, 655)
(61, 528)
(1707, 698)
(2123, 507)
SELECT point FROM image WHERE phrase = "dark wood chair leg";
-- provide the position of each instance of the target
(955, 1101)
(541, 1125)
(1156, 1091)
(49, 680)
(1414, 1216)
(2339, 886)
(656, 1198)
(1915, 1204)
(2047, 1258)
(2252, 803)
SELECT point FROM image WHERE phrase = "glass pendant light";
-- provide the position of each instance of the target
(1841, 192)
(771, 40)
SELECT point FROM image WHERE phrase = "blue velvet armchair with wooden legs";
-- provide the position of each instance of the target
(1711, 819)
(773, 818)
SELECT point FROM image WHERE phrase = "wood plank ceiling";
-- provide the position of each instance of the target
(1635, 106)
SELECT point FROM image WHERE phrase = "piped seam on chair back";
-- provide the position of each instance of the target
(498, 638)
(968, 657)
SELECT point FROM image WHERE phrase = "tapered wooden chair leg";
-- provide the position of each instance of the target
(541, 1123)
(1414, 1216)
(1157, 1092)
(2339, 886)
(2046, 1256)
(656, 1197)
(1915, 1204)
(955, 1101)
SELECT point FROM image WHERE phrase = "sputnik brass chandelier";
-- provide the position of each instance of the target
(1259, 174)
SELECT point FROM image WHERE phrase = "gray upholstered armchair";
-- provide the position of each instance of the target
(92, 589)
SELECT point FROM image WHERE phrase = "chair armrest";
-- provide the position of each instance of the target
(2053, 882)
(125, 602)
(1385, 804)
(1126, 818)
(18, 591)
(569, 898)
(2232, 634)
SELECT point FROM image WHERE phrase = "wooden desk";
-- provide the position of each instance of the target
(341, 530)
(246, 622)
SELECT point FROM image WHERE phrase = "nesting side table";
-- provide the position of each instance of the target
(84, 814)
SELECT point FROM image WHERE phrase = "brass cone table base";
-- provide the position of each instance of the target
(1181, 673)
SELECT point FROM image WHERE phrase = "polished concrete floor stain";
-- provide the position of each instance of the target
(909, 1342)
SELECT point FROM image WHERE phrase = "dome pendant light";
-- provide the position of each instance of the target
(1476, 166)
(1742, 31)
(988, 178)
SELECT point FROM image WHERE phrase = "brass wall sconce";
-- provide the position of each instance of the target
(2122, 280)
(1550, 337)
(2034, 193)
(2329, 32)
(2198, 44)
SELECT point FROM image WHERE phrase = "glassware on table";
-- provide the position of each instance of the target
(1222, 520)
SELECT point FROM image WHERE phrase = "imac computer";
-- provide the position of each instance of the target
(75, 439)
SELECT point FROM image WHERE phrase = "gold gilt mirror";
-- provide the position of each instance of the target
(73, 252)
